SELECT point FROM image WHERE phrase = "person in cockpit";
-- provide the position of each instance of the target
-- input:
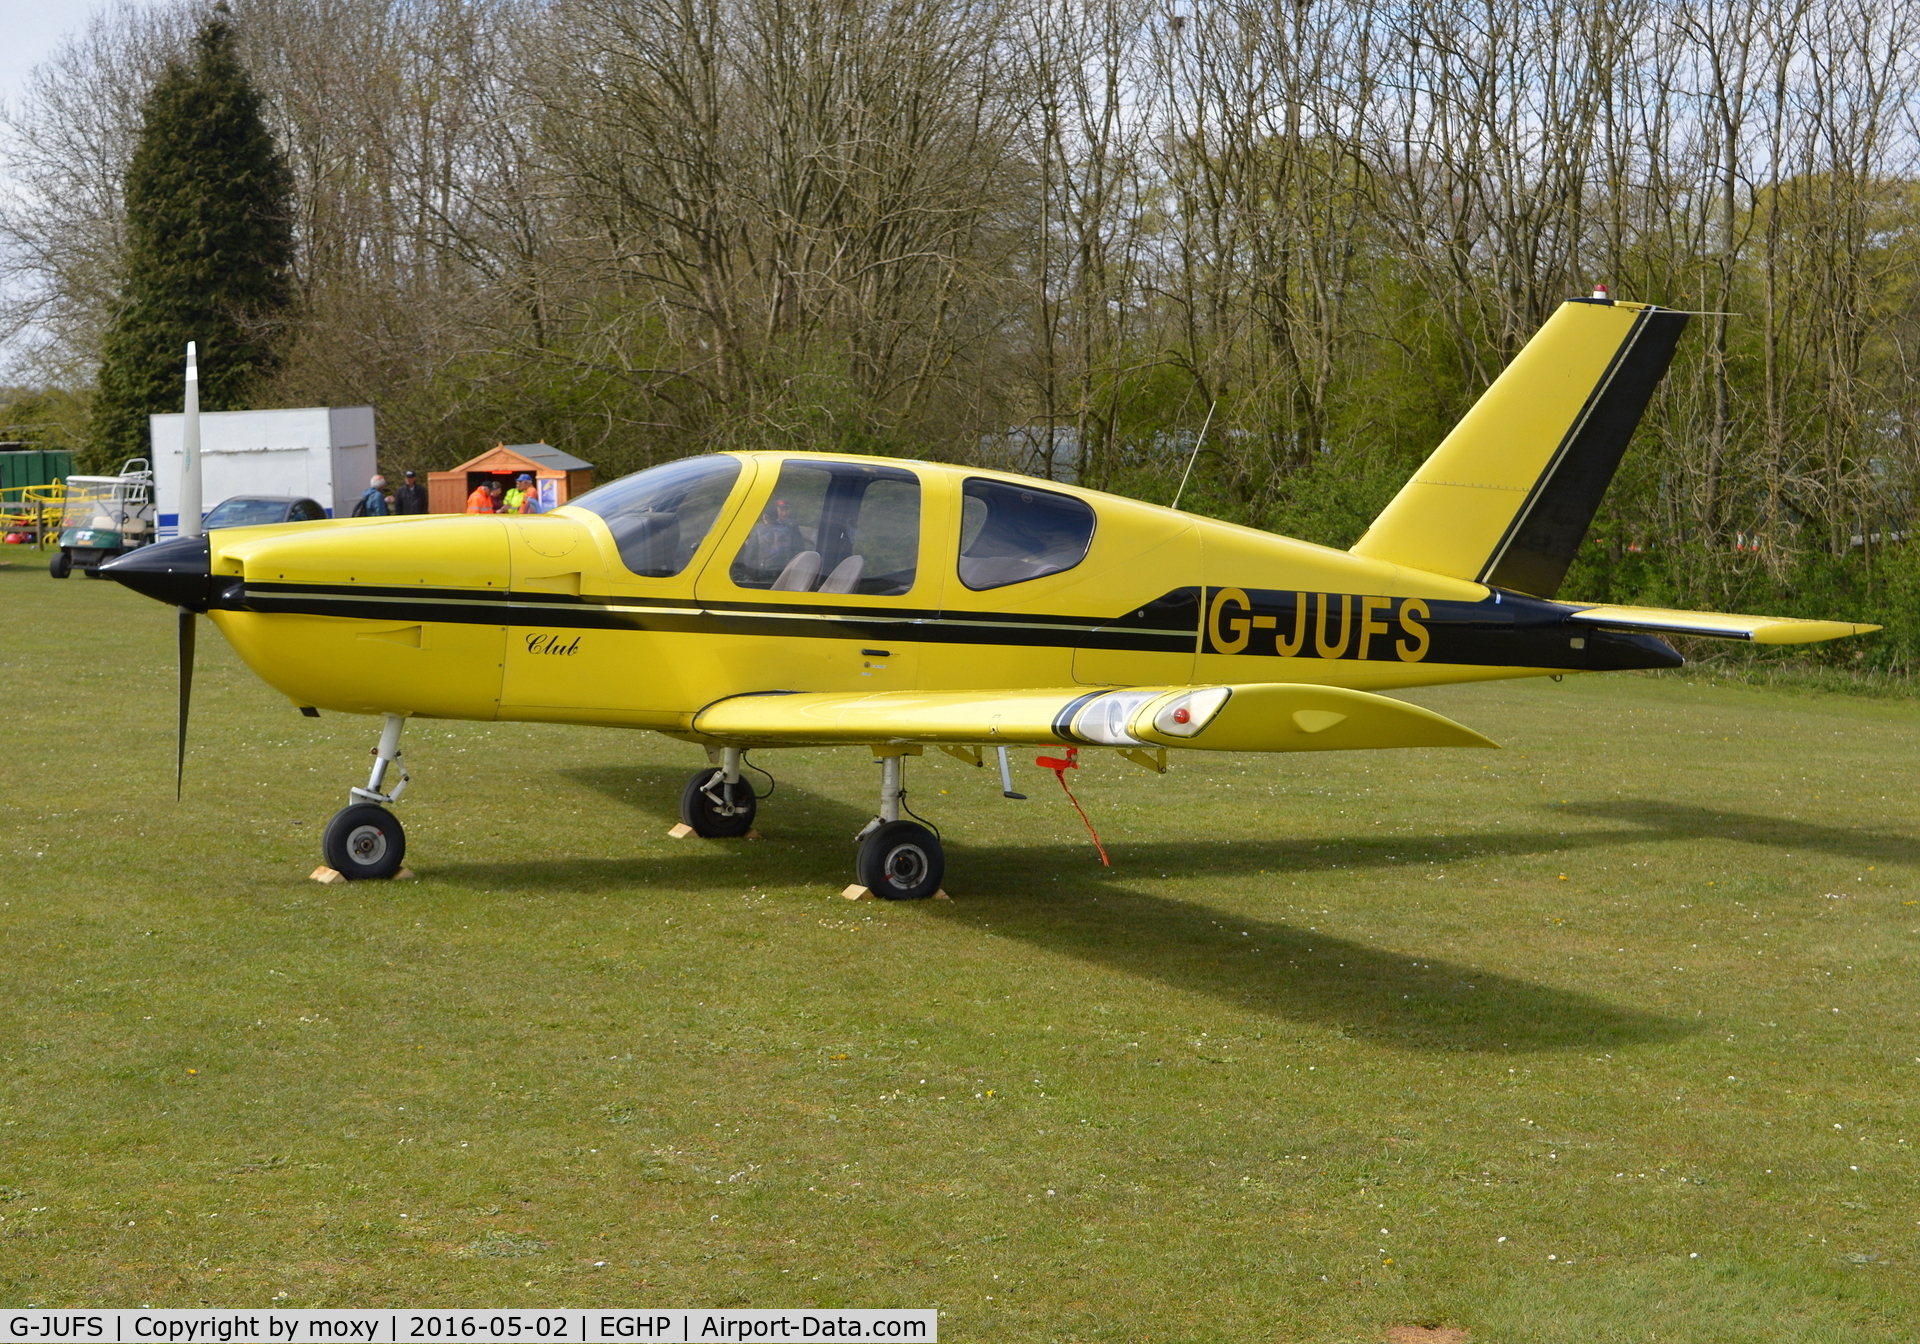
(775, 539)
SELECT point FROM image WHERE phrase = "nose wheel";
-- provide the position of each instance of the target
(364, 840)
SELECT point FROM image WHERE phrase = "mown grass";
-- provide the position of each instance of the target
(1611, 1032)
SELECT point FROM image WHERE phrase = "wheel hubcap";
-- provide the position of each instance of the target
(367, 844)
(906, 866)
(717, 802)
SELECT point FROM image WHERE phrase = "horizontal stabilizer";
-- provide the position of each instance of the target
(1258, 717)
(1718, 625)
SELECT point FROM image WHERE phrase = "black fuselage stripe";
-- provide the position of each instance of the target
(1463, 636)
(438, 599)
(875, 626)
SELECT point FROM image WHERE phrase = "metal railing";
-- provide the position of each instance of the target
(33, 509)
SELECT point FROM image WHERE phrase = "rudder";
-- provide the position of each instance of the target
(1508, 496)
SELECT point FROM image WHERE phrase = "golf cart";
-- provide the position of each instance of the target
(105, 516)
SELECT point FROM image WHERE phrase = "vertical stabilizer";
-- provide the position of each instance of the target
(1507, 497)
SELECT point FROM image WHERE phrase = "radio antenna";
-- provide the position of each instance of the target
(1191, 457)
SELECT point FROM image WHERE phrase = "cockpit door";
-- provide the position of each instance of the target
(605, 619)
(821, 582)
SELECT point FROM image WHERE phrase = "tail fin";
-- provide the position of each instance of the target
(1507, 497)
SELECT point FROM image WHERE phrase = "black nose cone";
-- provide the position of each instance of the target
(175, 572)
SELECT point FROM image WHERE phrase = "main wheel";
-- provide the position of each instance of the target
(364, 841)
(901, 861)
(716, 809)
(59, 564)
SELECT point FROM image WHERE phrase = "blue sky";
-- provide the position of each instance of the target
(29, 29)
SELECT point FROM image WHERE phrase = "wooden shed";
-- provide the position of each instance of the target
(561, 475)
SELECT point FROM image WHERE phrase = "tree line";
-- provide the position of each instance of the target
(1079, 239)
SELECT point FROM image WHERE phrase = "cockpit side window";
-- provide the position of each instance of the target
(660, 516)
(835, 527)
(1009, 534)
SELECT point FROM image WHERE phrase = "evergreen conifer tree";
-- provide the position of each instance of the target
(209, 248)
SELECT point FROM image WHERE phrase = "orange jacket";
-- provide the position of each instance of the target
(480, 501)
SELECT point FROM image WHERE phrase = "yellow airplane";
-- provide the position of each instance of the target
(753, 600)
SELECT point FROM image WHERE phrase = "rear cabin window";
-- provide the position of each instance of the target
(1009, 534)
(660, 516)
(835, 527)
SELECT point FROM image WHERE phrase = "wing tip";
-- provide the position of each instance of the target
(1810, 632)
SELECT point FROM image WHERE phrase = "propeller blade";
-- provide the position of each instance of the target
(186, 698)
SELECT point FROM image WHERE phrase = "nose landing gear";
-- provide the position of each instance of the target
(364, 840)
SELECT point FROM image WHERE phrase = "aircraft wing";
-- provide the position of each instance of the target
(1717, 625)
(1257, 717)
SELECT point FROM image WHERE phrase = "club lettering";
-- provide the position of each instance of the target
(552, 645)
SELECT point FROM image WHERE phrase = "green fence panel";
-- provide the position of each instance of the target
(33, 466)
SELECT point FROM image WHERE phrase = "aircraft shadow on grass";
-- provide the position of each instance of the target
(1685, 821)
(1058, 898)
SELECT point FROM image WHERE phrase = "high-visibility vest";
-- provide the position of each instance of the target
(480, 501)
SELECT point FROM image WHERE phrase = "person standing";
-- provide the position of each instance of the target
(411, 497)
(485, 498)
(373, 504)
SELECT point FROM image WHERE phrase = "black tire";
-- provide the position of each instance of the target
(715, 809)
(364, 841)
(901, 861)
(59, 564)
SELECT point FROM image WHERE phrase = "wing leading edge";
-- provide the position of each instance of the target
(1258, 717)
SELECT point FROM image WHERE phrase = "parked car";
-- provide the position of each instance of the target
(256, 510)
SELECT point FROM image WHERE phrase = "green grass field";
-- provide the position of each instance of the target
(1606, 1036)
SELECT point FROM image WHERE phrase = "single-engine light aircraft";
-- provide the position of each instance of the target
(743, 601)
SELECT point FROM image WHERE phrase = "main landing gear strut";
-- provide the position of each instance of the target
(898, 860)
(364, 840)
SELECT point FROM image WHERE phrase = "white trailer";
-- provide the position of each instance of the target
(326, 453)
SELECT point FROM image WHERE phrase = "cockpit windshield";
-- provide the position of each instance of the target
(660, 516)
